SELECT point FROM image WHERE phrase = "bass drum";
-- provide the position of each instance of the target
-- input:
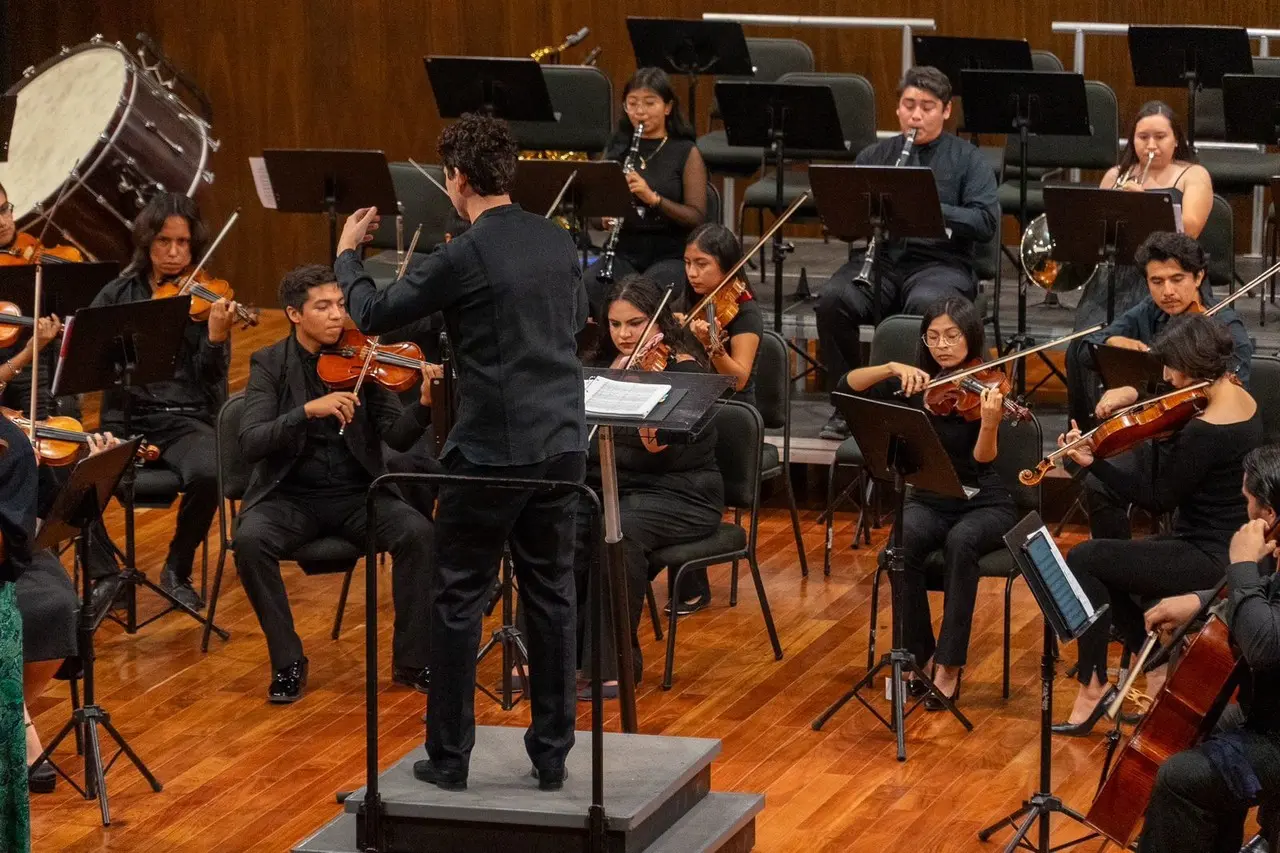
(94, 138)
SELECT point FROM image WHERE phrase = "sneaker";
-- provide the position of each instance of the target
(181, 589)
(836, 429)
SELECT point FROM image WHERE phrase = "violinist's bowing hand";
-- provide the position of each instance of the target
(429, 372)
(358, 229)
(1115, 399)
(913, 378)
(1081, 454)
(47, 328)
(992, 407)
(1170, 614)
(1249, 544)
(338, 404)
(99, 442)
(222, 315)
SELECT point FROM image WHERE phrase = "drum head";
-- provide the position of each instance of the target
(62, 112)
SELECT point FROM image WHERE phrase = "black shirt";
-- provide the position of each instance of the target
(511, 291)
(325, 464)
(750, 321)
(17, 501)
(966, 187)
(1253, 613)
(661, 164)
(200, 370)
(1198, 474)
(17, 394)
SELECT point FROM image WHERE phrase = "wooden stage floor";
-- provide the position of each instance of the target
(240, 774)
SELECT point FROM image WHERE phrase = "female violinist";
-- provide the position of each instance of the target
(668, 492)
(1197, 476)
(951, 334)
(22, 248)
(712, 250)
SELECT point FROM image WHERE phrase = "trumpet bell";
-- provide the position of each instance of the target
(1055, 276)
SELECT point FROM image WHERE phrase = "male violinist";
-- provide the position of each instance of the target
(315, 452)
(1201, 795)
(176, 415)
(513, 301)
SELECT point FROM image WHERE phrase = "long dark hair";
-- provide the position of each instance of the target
(1181, 150)
(1262, 475)
(965, 315)
(720, 243)
(150, 222)
(646, 295)
(657, 81)
(1197, 345)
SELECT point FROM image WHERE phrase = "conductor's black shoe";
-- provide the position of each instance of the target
(181, 588)
(418, 679)
(288, 684)
(550, 779)
(448, 780)
(836, 429)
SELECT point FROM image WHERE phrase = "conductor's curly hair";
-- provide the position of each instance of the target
(481, 148)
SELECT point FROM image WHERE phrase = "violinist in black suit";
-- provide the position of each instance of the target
(310, 481)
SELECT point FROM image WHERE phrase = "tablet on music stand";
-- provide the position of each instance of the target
(1064, 604)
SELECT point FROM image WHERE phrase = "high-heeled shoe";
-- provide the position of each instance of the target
(933, 703)
(1084, 728)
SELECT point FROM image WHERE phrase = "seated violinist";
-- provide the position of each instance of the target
(315, 452)
(176, 415)
(1201, 795)
(951, 335)
(1197, 476)
(20, 247)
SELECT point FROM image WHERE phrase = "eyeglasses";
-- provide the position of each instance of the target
(950, 338)
(6, 209)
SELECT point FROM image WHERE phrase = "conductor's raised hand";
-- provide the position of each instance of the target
(358, 229)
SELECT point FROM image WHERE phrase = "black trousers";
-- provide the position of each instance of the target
(1193, 808)
(280, 524)
(1084, 384)
(187, 447)
(472, 525)
(844, 305)
(1108, 511)
(964, 534)
(419, 459)
(1126, 574)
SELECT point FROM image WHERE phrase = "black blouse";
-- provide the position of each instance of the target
(17, 501)
(662, 166)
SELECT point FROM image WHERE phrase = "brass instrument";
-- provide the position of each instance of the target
(552, 53)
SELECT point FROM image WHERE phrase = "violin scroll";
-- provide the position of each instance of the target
(1033, 476)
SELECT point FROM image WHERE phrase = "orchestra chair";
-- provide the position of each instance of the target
(773, 401)
(421, 203)
(739, 436)
(1234, 171)
(772, 58)
(1021, 446)
(1264, 385)
(326, 555)
(897, 338)
(582, 97)
(1218, 241)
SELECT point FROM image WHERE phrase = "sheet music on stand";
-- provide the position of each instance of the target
(605, 396)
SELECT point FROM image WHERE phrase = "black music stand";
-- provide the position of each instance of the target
(952, 55)
(1067, 614)
(900, 447)
(1251, 107)
(690, 48)
(1091, 225)
(75, 513)
(67, 287)
(1120, 367)
(329, 181)
(579, 190)
(773, 116)
(1025, 103)
(1190, 57)
(878, 203)
(119, 347)
(501, 87)
(8, 111)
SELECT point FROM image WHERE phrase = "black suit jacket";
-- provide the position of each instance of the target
(273, 429)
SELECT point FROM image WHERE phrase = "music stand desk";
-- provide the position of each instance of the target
(953, 54)
(67, 287)
(503, 87)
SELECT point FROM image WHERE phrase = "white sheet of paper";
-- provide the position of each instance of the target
(262, 182)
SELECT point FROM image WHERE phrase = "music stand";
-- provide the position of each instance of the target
(67, 287)
(1091, 225)
(879, 202)
(954, 54)
(75, 512)
(1189, 57)
(1025, 103)
(1120, 367)
(580, 190)
(1068, 614)
(900, 447)
(690, 48)
(773, 116)
(8, 111)
(1251, 107)
(501, 87)
(116, 348)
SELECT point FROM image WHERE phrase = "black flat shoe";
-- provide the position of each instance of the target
(288, 684)
(448, 780)
(42, 780)
(933, 703)
(550, 779)
(1083, 729)
(418, 679)
(688, 608)
(915, 688)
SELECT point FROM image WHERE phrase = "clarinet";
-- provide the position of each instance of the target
(868, 261)
(611, 245)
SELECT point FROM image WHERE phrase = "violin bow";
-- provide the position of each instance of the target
(372, 343)
(427, 175)
(186, 284)
(1005, 359)
(1266, 274)
(644, 336)
(37, 298)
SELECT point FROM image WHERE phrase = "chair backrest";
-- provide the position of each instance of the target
(773, 57)
(1021, 446)
(1218, 241)
(1099, 150)
(715, 206)
(739, 438)
(1210, 119)
(773, 380)
(986, 258)
(233, 471)
(855, 103)
(1264, 385)
(897, 338)
(583, 97)
(1045, 60)
(421, 202)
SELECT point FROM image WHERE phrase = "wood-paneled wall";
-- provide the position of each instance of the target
(348, 73)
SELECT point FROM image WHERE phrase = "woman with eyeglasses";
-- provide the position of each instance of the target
(950, 335)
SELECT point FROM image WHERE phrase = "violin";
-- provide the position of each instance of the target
(1157, 418)
(396, 367)
(12, 323)
(59, 441)
(964, 395)
(651, 356)
(26, 249)
(204, 290)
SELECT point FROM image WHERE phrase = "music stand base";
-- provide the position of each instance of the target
(1039, 807)
(135, 578)
(508, 638)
